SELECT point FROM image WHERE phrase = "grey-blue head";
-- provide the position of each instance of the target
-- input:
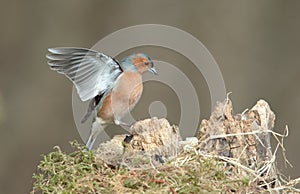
(138, 62)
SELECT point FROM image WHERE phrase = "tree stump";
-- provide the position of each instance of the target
(244, 137)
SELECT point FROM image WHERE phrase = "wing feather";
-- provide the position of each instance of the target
(91, 72)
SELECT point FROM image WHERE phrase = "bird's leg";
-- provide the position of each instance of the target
(91, 141)
(97, 126)
(118, 122)
(133, 123)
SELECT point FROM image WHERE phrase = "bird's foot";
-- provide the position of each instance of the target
(128, 138)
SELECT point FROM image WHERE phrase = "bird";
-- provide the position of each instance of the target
(112, 87)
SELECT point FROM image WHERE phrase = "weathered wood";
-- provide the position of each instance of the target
(244, 137)
(151, 141)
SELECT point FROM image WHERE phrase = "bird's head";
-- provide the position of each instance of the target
(138, 62)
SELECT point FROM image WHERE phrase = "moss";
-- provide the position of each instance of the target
(81, 172)
(59, 172)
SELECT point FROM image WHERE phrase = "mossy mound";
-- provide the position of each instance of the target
(190, 172)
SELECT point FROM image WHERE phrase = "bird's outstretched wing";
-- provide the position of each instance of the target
(91, 72)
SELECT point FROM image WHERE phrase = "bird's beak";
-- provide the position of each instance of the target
(153, 70)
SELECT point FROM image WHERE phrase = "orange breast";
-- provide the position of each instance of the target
(123, 98)
(105, 112)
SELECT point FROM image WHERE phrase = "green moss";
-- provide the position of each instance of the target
(81, 172)
(60, 173)
(132, 183)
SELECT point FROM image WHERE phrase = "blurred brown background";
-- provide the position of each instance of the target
(256, 44)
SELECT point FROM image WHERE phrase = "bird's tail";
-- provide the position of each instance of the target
(97, 126)
(86, 116)
(93, 103)
(89, 111)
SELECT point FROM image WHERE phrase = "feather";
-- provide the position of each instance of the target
(91, 72)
